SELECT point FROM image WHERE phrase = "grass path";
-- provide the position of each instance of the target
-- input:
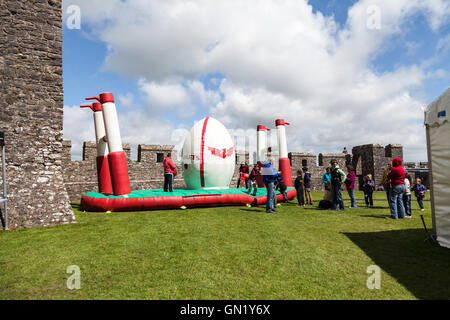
(227, 253)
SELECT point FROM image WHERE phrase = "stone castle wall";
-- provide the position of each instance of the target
(31, 113)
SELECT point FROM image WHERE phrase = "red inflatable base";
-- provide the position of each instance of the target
(285, 168)
(102, 204)
(104, 175)
(119, 173)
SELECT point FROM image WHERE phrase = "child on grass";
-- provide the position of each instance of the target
(282, 187)
(253, 180)
(307, 185)
(368, 187)
(407, 196)
(299, 188)
(419, 191)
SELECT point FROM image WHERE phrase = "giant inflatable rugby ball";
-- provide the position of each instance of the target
(208, 156)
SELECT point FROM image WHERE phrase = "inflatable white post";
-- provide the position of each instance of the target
(103, 173)
(116, 157)
(261, 143)
(284, 162)
(261, 149)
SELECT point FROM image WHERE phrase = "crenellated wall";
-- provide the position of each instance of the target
(146, 173)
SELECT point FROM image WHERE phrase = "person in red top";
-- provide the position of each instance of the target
(397, 178)
(170, 171)
(253, 180)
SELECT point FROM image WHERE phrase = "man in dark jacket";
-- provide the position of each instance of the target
(299, 188)
(337, 179)
(397, 178)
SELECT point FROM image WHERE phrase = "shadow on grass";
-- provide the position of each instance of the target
(422, 268)
(255, 210)
(379, 216)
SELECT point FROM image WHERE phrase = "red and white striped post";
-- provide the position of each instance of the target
(284, 162)
(103, 173)
(261, 148)
(116, 157)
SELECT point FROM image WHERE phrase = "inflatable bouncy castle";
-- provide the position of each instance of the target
(208, 159)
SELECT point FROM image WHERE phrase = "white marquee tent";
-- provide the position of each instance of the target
(437, 122)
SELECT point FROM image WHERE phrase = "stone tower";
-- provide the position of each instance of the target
(31, 113)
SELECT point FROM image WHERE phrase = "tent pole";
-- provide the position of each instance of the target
(430, 167)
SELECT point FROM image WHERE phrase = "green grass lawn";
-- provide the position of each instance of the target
(228, 253)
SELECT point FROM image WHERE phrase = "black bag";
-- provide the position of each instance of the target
(325, 204)
(336, 178)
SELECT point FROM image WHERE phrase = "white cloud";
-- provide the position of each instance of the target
(164, 95)
(279, 59)
(126, 100)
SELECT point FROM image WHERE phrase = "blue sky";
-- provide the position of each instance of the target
(243, 73)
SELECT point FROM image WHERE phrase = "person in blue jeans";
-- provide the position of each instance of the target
(269, 177)
(307, 185)
(397, 178)
(337, 179)
(419, 191)
(326, 179)
(368, 187)
(407, 196)
(397, 207)
(350, 185)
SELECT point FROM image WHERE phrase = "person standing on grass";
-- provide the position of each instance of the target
(368, 187)
(246, 171)
(282, 187)
(241, 167)
(337, 179)
(407, 196)
(419, 191)
(307, 185)
(299, 188)
(170, 170)
(350, 185)
(326, 178)
(253, 183)
(386, 183)
(397, 178)
(269, 177)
